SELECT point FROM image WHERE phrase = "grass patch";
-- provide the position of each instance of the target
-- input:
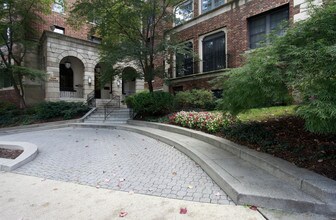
(262, 114)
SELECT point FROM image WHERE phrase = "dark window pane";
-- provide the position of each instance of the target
(214, 52)
(276, 19)
(262, 25)
(185, 62)
(5, 80)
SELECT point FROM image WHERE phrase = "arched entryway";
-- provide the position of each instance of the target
(129, 76)
(71, 72)
(102, 83)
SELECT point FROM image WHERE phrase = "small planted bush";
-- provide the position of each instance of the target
(65, 110)
(8, 113)
(151, 104)
(195, 99)
(207, 121)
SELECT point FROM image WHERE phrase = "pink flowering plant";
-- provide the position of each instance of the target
(207, 121)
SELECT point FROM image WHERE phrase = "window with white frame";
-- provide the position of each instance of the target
(267, 23)
(208, 5)
(214, 52)
(58, 6)
(185, 62)
(183, 12)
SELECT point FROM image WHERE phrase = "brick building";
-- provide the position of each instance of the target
(220, 32)
(70, 57)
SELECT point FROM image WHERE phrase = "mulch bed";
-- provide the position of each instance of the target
(9, 154)
(287, 138)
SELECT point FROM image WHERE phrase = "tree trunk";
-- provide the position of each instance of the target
(150, 86)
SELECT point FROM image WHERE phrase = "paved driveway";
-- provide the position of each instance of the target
(118, 160)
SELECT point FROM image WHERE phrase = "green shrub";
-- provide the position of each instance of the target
(65, 110)
(320, 116)
(151, 104)
(303, 60)
(8, 113)
(196, 98)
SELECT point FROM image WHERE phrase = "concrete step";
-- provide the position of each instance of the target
(243, 181)
(116, 116)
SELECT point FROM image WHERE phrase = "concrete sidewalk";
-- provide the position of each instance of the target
(25, 197)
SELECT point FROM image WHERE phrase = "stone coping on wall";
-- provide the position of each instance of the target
(29, 153)
(307, 181)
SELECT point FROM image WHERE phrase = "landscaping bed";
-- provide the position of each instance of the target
(43, 112)
(9, 153)
(287, 138)
(273, 130)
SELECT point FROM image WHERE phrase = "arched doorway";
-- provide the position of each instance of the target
(129, 76)
(71, 77)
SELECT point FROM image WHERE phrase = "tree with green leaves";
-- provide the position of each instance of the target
(131, 30)
(17, 36)
(303, 60)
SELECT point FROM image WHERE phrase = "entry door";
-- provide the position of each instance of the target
(97, 87)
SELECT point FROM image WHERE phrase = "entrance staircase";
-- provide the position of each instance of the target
(117, 116)
(108, 111)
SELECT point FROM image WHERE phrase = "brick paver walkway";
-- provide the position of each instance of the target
(118, 160)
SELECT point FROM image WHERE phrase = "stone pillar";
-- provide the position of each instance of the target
(303, 6)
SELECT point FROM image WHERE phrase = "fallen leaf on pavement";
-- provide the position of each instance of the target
(183, 211)
(122, 214)
(254, 208)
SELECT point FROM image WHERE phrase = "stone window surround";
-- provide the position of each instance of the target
(200, 47)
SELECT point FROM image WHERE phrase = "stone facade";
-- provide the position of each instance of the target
(75, 46)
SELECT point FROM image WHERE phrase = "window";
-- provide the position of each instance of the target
(208, 5)
(96, 40)
(262, 25)
(183, 12)
(214, 55)
(58, 29)
(58, 6)
(5, 80)
(184, 62)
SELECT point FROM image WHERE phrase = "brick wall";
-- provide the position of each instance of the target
(10, 96)
(59, 19)
(235, 21)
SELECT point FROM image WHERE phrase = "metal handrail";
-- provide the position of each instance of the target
(91, 100)
(113, 104)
